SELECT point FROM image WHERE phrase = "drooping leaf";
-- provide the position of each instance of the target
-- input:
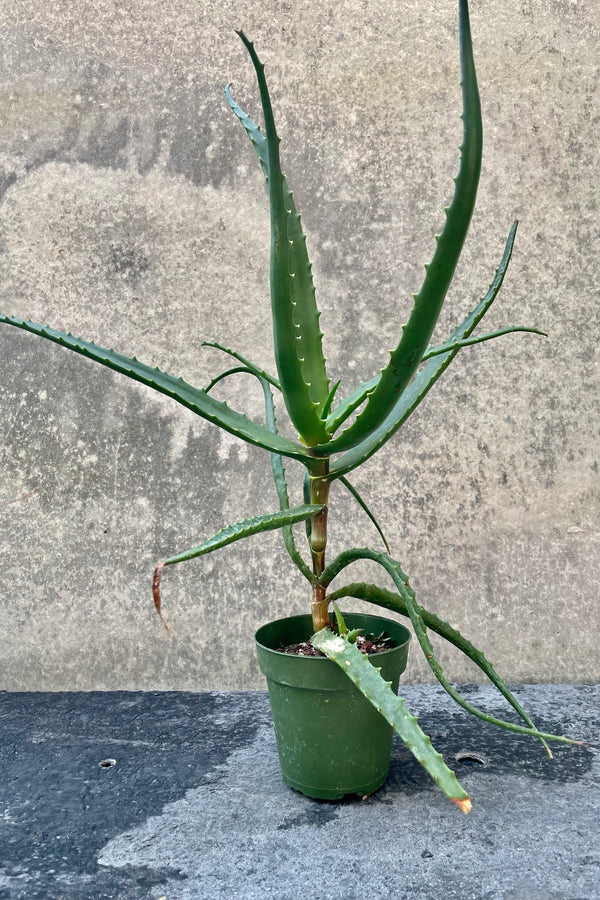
(427, 377)
(391, 600)
(368, 680)
(230, 534)
(306, 498)
(405, 359)
(393, 568)
(195, 399)
(236, 370)
(297, 336)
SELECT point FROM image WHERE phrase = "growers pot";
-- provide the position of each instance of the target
(331, 740)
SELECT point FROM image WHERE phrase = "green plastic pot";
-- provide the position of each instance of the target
(331, 741)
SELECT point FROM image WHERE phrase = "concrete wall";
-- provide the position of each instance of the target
(134, 214)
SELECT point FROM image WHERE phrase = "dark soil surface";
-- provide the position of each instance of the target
(367, 644)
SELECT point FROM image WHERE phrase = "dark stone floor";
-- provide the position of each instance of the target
(193, 807)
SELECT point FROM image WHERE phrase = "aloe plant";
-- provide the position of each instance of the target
(327, 447)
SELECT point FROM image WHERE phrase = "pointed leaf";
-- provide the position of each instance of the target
(230, 534)
(329, 401)
(196, 400)
(259, 141)
(341, 622)
(247, 528)
(468, 342)
(380, 596)
(277, 466)
(361, 670)
(347, 406)
(366, 509)
(400, 580)
(427, 377)
(297, 338)
(310, 338)
(281, 487)
(405, 359)
(260, 373)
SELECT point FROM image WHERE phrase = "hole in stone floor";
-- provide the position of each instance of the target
(107, 763)
(470, 758)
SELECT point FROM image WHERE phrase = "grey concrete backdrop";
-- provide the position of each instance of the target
(134, 214)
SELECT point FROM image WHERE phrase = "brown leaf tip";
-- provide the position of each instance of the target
(156, 593)
(465, 805)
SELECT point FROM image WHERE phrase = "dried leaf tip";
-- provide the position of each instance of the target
(156, 593)
(465, 805)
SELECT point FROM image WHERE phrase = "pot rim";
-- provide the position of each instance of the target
(303, 617)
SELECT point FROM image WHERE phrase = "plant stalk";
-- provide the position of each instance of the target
(319, 487)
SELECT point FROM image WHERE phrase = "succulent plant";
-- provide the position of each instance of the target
(328, 447)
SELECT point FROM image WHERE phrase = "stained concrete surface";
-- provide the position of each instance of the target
(194, 806)
(133, 213)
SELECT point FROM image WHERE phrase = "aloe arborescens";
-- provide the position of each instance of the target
(328, 448)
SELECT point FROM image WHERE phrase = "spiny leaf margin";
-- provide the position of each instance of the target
(405, 359)
(428, 376)
(393, 568)
(231, 533)
(357, 666)
(194, 399)
(297, 338)
(382, 597)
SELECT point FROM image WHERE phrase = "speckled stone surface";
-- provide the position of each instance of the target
(194, 805)
(133, 213)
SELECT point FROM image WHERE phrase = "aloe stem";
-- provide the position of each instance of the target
(319, 483)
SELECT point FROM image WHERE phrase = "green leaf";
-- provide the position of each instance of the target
(391, 600)
(405, 359)
(341, 622)
(427, 377)
(277, 467)
(366, 509)
(354, 400)
(347, 406)
(198, 401)
(400, 580)
(354, 634)
(236, 370)
(260, 373)
(259, 141)
(306, 498)
(329, 401)
(281, 487)
(297, 336)
(247, 528)
(468, 342)
(357, 666)
(230, 534)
